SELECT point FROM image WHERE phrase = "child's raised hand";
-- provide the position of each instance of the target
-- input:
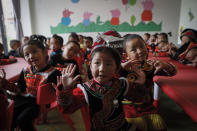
(2, 73)
(2, 78)
(159, 66)
(129, 64)
(67, 79)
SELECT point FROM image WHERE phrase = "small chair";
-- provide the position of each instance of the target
(46, 95)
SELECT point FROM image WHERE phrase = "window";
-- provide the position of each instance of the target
(9, 23)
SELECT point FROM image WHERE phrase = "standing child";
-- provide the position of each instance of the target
(138, 105)
(103, 94)
(38, 74)
(56, 44)
(14, 44)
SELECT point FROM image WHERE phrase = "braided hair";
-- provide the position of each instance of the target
(37, 40)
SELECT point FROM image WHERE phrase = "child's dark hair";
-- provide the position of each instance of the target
(89, 38)
(72, 41)
(147, 34)
(1, 46)
(113, 52)
(75, 36)
(59, 39)
(130, 37)
(165, 35)
(37, 40)
(12, 42)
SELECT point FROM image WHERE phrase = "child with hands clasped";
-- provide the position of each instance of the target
(103, 94)
(138, 105)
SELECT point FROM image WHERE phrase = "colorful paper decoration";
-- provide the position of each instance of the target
(191, 15)
(98, 21)
(147, 13)
(129, 2)
(132, 2)
(86, 17)
(94, 27)
(66, 17)
(133, 19)
(115, 17)
(74, 1)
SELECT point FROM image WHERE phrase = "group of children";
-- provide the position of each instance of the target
(117, 89)
(186, 53)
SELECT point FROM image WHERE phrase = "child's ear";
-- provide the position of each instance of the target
(62, 47)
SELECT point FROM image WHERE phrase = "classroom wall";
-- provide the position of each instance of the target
(48, 13)
(188, 15)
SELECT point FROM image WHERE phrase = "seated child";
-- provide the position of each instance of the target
(188, 38)
(146, 37)
(103, 94)
(138, 105)
(25, 39)
(4, 60)
(190, 58)
(14, 44)
(70, 51)
(81, 42)
(56, 44)
(162, 49)
(162, 37)
(88, 43)
(37, 74)
(73, 37)
(3, 102)
(152, 43)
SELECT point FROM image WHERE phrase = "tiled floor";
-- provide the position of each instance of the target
(174, 116)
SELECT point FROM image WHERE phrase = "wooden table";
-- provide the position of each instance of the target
(13, 70)
(181, 88)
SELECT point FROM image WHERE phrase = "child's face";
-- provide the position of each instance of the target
(16, 46)
(185, 39)
(103, 67)
(152, 39)
(88, 43)
(146, 38)
(161, 38)
(54, 45)
(35, 56)
(70, 38)
(136, 50)
(163, 47)
(81, 40)
(70, 51)
(192, 56)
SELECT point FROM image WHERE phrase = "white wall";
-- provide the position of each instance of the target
(184, 15)
(46, 13)
(26, 17)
